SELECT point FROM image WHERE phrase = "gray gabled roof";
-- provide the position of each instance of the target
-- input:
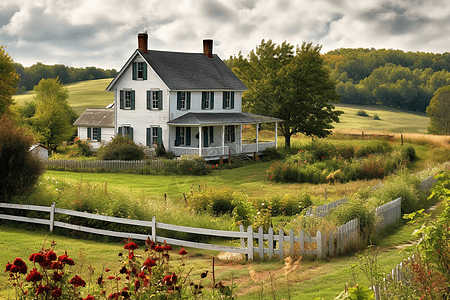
(182, 71)
(96, 117)
(210, 119)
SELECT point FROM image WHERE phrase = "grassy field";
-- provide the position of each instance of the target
(82, 95)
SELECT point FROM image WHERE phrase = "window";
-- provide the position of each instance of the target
(207, 100)
(154, 100)
(126, 131)
(183, 100)
(183, 136)
(154, 136)
(127, 99)
(139, 71)
(230, 133)
(94, 134)
(228, 100)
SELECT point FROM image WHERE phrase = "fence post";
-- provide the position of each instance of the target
(261, 243)
(250, 242)
(319, 244)
(154, 229)
(291, 243)
(280, 244)
(52, 216)
(241, 229)
(270, 242)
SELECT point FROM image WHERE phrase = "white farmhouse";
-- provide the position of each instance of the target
(190, 102)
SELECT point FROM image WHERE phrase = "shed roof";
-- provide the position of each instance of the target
(96, 117)
(198, 119)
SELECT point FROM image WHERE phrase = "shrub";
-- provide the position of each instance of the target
(357, 208)
(362, 113)
(160, 150)
(374, 148)
(194, 165)
(215, 201)
(121, 148)
(408, 153)
(19, 169)
(83, 147)
(271, 154)
(376, 117)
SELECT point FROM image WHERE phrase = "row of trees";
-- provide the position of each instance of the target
(393, 78)
(30, 76)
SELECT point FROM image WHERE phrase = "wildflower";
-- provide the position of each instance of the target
(89, 297)
(34, 276)
(51, 255)
(100, 280)
(158, 248)
(149, 263)
(107, 270)
(37, 257)
(182, 251)
(77, 281)
(111, 277)
(131, 246)
(57, 265)
(56, 293)
(57, 276)
(66, 260)
(42, 288)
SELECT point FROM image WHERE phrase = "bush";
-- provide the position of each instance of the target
(408, 153)
(376, 117)
(194, 165)
(271, 154)
(121, 148)
(358, 208)
(83, 147)
(374, 148)
(160, 150)
(361, 113)
(214, 201)
(19, 169)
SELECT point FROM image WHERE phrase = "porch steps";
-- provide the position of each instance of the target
(241, 157)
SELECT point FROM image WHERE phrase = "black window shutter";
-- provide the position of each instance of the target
(224, 102)
(159, 135)
(232, 99)
(211, 100)
(188, 136)
(149, 137)
(122, 105)
(160, 100)
(149, 101)
(211, 134)
(144, 75)
(233, 129)
(177, 136)
(178, 100)
(188, 100)
(99, 134)
(89, 135)
(130, 136)
(203, 99)
(132, 99)
(134, 70)
(120, 131)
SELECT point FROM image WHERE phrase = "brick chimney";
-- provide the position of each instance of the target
(143, 42)
(208, 48)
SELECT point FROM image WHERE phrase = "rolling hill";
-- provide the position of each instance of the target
(92, 94)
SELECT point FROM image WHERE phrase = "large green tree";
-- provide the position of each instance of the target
(293, 86)
(439, 111)
(8, 81)
(53, 119)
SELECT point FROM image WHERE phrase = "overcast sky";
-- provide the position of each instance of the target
(103, 33)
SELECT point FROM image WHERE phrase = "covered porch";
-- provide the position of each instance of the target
(217, 134)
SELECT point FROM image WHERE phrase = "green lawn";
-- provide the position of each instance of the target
(82, 95)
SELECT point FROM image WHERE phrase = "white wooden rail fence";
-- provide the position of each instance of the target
(321, 245)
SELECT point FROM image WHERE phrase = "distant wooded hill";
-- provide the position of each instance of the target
(394, 78)
(30, 76)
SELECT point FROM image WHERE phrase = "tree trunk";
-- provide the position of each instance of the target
(287, 141)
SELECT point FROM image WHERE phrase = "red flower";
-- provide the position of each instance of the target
(8, 267)
(182, 251)
(56, 293)
(34, 276)
(19, 266)
(111, 277)
(77, 281)
(37, 257)
(158, 248)
(57, 265)
(167, 247)
(170, 279)
(51, 255)
(42, 288)
(137, 284)
(89, 297)
(149, 263)
(107, 270)
(66, 260)
(131, 246)
(131, 255)
(57, 276)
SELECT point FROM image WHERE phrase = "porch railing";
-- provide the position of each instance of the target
(250, 148)
(207, 151)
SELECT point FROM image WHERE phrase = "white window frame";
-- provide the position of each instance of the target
(94, 135)
(227, 100)
(228, 130)
(183, 100)
(155, 100)
(207, 100)
(127, 99)
(154, 135)
(140, 70)
(182, 136)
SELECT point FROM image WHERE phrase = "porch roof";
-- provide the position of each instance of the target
(210, 119)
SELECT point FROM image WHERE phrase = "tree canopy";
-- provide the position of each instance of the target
(8, 81)
(293, 86)
(53, 118)
(439, 112)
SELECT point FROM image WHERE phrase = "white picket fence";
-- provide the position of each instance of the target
(388, 213)
(323, 210)
(110, 165)
(321, 245)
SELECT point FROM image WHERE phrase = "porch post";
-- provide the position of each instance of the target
(223, 139)
(200, 140)
(240, 134)
(257, 136)
(276, 135)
